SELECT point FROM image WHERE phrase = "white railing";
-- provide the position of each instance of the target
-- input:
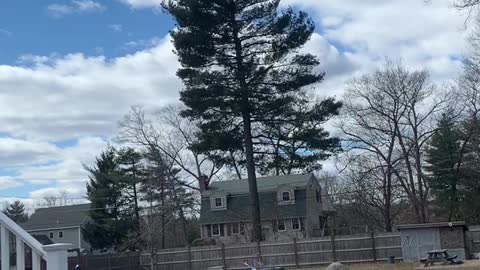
(55, 255)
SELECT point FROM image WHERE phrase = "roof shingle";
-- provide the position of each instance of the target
(57, 217)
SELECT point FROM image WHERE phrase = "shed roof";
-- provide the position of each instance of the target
(57, 217)
(431, 225)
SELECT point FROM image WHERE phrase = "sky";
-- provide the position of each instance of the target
(71, 69)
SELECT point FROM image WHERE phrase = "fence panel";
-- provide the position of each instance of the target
(311, 252)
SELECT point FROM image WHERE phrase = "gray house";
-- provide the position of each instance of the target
(294, 206)
(60, 224)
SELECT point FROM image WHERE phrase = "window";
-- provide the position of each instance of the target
(60, 234)
(285, 196)
(281, 225)
(242, 229)
(296, 225)
(319, 198)
(50, 235)
(216, 230)
(235, 228)
(218, 202)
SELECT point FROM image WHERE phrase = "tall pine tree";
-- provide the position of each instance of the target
(241, 65)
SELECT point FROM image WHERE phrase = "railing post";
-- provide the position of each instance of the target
(20, 246)
(5, 246)
(57, 256)
(36, 260)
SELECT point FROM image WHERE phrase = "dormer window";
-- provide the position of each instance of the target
(218, 202)
(285, 196)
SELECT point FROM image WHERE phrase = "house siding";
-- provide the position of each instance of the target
(269, 232)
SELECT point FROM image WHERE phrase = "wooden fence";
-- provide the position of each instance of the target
(106, 262)
(360, 248)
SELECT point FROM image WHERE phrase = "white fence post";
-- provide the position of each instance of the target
(20, 254)
(5, 246)
(36, 260)
(57, 256)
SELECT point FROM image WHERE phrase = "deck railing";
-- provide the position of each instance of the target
(55, 255)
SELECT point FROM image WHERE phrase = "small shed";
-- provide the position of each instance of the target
(418, 239)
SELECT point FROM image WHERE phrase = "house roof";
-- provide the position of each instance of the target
(264, 184)
(57, 217)
(238, 199)
(432, 225)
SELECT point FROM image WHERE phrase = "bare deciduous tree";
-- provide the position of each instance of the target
(388, 115)
(173, 136)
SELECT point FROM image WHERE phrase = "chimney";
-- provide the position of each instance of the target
(203, 182)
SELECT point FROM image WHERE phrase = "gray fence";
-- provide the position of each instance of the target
(360, 248)
(106, 262)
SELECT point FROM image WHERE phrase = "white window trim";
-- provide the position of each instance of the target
(284, 225)
(219, 233)
(291, 196)
(299, 224)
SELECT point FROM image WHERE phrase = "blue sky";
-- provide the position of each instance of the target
(70, 70)
(30, 28)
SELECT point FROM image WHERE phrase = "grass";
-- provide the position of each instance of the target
(469, 265)
(377, 266)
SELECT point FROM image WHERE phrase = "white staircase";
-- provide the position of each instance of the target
(55, 255)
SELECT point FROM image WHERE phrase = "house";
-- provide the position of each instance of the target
(293, 206)
(61, 224)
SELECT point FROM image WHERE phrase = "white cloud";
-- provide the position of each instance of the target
(7, 182)
(139, 4)
(115, 27)
(17, 152)
(75, 7)
(73, 96)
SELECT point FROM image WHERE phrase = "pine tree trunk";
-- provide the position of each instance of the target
(247, 133)
(252, 180)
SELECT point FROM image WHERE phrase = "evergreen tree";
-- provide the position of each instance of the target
(470, 133)
(109, 224)
(241, 65)
(444, 157)
(16, 212)
(130, 170)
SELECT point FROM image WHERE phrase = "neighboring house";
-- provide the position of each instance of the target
(61, 224)
(294, 206)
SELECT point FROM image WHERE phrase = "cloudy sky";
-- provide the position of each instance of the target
(71, 69)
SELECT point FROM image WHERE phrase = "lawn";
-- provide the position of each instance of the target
(469, 265)
(377, 266)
